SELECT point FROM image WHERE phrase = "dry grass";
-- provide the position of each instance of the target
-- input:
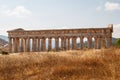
(70, 65)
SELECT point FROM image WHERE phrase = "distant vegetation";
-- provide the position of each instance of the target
(118, 42)
(3, 52)
(86, 64)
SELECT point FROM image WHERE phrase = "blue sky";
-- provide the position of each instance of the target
(54, 14)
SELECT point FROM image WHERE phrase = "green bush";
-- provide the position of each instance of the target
(118, 42)
(4, 53)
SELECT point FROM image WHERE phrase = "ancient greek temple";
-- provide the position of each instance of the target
(21, 40)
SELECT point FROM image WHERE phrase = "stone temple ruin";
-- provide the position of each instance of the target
(21, 40)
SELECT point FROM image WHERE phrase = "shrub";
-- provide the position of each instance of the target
(118, 42)
(4, 53)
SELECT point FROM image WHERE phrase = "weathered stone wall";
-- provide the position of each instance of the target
(21, 40)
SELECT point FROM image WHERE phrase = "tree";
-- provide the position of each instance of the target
(118, 42)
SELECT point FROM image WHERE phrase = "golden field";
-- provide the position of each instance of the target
(84, 64)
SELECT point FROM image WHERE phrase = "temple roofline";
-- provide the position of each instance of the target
(20, 29)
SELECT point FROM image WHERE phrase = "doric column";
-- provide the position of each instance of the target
(33, 44)
(15, 45)
(38, 44)
(99, 42)
(21, 45)
(68, 43)
(64, 43)
(103, 42)
(25, 48)
(18, 45)
(108, 42)
(56, 44)
(44, 44)
(41, 44)
(89, 42)
(28, 44)
(96, 43)
(49, 44)
(81, 42)
(74, 43)
(10, 45)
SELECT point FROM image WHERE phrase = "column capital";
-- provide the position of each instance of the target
(74, 36)
(95, 37)
(56, 37)
(49, 37)
(89, 37)
(63, 37)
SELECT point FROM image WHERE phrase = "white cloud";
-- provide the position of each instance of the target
(110, 6)
(18, 11)
(116, 31)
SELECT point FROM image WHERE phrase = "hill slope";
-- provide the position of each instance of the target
(4, 37)
(3, 42)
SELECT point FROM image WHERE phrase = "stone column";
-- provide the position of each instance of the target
(15, 45)
(44, 44)
(108, 42)
(41, 44)
(25, 48)
(99, 42)
(49, 44)
(56, 44)
(21, 45)
(10, 45)
(90, 42)
(68, 43)
(33, 44)
(18, 45)
(64, 43)
(96, 42)
(74, 43)
(38, 44)
(81, 42)
(102, 42)
(28, 44)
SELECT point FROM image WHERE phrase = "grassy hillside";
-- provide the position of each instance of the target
(71, 65)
